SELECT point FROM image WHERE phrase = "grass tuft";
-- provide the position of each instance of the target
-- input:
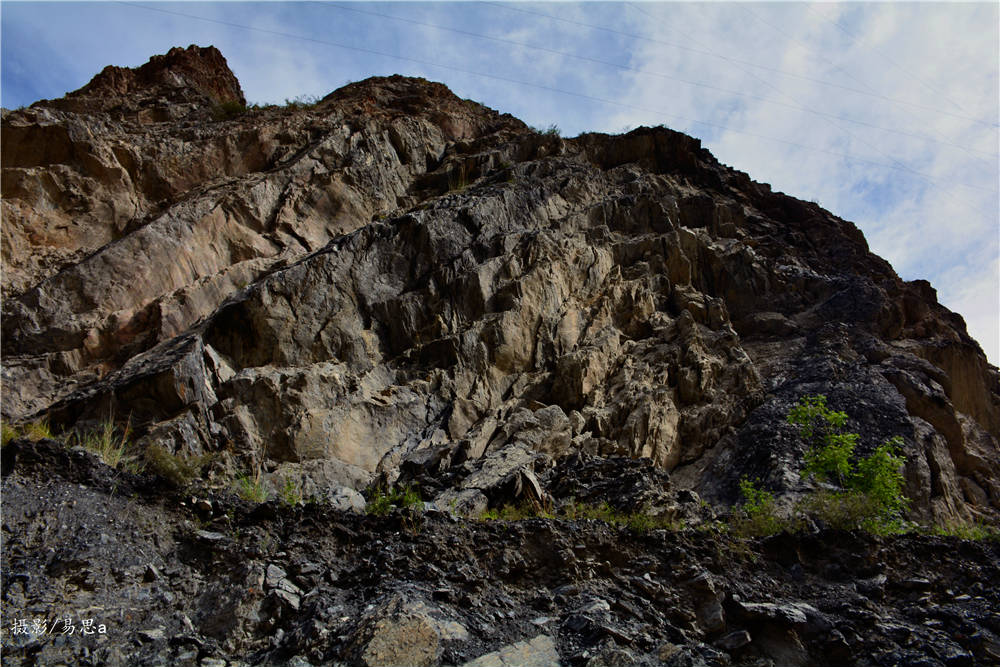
(179, 470)
(251, 489)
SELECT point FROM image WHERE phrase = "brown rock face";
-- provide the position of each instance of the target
(397, 281)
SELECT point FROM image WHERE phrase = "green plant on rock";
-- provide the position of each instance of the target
(382, 500)
(965, 530)
(177, 469)
(758, 516)
(870, 490)
(38, 430)
(251, 488)
(9, 433)
(302, 102)
(291, 492)
(110, 443)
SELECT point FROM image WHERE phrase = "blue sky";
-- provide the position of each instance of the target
(885, 113)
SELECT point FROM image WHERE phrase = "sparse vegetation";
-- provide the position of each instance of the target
(550, 131)
(758, 515)
(177, 469)
(110, 443)
(382, 501)
(638, 522)
(9, 433)
(228, 110)
(863, 494)
(302, 102)
(291, 492)
(251, 488)
(870, 491)
(38, 430)
(965, 530)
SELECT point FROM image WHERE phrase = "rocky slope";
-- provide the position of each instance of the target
(395, 284)
(179, 580)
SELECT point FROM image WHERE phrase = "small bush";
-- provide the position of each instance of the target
(871, 490)
(38, 430)
(251, 489)
(228, 110)
(965, 530)
(878, 476)
(291, 493)
(383, 501)
(302, 102)
(758, 516)
(9, 433)
(175, 468)
(849, 510)
(110, 444)
(638, 522)
(526, 510)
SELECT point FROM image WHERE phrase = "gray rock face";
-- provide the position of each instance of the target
(396, 277)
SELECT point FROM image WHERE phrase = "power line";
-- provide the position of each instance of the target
(892, 62)
(617, 103)
(869, 92)
(880, 152)
(795, 107)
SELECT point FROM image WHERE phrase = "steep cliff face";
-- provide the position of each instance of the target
(395, 281)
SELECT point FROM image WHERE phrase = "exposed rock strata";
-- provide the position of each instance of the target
(395, 276)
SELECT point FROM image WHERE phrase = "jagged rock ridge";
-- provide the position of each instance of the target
(399, 282)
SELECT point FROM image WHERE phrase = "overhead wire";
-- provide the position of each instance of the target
(870, 92)
(897, 163)
(918, 79)
(627, 68)
(497, 77)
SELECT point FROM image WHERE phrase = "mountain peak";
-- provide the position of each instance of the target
(198, 75)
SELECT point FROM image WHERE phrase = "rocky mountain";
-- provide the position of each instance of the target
(394, 285)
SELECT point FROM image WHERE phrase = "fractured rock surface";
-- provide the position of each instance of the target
(398, 280)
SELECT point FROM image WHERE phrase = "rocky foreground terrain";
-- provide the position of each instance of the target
(206, 304)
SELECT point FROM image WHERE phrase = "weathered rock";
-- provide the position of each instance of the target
(401, 633)
(537, 652)
(339, 300)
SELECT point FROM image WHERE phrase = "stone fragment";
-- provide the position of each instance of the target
(538, 652)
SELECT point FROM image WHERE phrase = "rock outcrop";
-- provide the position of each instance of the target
(394, 279)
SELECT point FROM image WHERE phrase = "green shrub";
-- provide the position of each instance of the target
(846, 510)
(871, 490)
(878, 476)
(110, 443)
(38, 430)
(758, 516)
(228, 110)
(9, 433)
(302, 102)
(291, 493)
(382, 501)
(638, 522)
(177, 469)
(965, 530)
(250, 488)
